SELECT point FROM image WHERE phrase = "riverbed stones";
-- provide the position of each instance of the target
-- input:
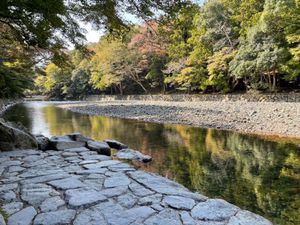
(65, 142)
(23, 217)
(55, 188)
(115, 144)
(101, 147)
(130, 154)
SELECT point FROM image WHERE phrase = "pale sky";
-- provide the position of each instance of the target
(93, 35)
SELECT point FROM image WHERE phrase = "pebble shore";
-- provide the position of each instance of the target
(267, 118)
(79, 186)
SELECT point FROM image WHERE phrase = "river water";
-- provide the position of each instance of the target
(255, 173)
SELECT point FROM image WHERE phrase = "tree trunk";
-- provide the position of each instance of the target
(142, 86)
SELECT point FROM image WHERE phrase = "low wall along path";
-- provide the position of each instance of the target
(74, 185)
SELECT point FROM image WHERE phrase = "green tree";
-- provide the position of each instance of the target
(262, 53)
(219, 77)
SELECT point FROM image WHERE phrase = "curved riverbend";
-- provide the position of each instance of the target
(255, 174)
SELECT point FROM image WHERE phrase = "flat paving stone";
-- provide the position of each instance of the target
(179, 202)
(92, 171)
(116, 215)
(35, 194)
(31, 173)
(91, 216)
(77, 149)
(96, 184)
(117, 180)
(165, 217)
(23, 217)
(13, 169)
(163, 185)
(46, 178)
(127, 200)
(96, 157)
(8, 187)
(8, 196)
(82, 198)
(12, 207)
(113, 192)
(60, 217)
(121, 167)
(2, 221)
(186, 218)
(88, 162)
(151, 199)
(139, 190)
(51, 204)
(245, 218)
(106, 163)
(214, 209)
(67, 183)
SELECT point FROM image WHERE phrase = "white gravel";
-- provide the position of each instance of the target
(270, 118)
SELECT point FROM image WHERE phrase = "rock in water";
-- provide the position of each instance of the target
(65, 142)
(133, 155)
(79, 137)
(13, 138)
(101, 147)
(115, 144)
(43, 142)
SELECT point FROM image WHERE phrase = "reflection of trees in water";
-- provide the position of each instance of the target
(258, 175)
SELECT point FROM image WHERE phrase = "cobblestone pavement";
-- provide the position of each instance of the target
(78, 186)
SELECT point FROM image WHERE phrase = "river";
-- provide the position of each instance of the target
(258, 174)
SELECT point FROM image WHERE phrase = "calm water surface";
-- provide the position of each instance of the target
(255, 174)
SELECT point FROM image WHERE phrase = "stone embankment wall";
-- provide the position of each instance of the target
(6, 103)
(255, 97)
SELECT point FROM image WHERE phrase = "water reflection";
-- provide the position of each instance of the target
(255, 174)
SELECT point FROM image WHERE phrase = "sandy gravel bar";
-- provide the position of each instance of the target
(269, 118)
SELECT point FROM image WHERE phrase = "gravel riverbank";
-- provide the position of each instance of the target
(269, 118)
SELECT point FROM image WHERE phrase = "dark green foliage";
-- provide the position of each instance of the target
(220, 46)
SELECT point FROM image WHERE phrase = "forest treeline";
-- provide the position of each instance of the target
(219, 46)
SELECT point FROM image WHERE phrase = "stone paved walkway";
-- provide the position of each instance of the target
(78, 186)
